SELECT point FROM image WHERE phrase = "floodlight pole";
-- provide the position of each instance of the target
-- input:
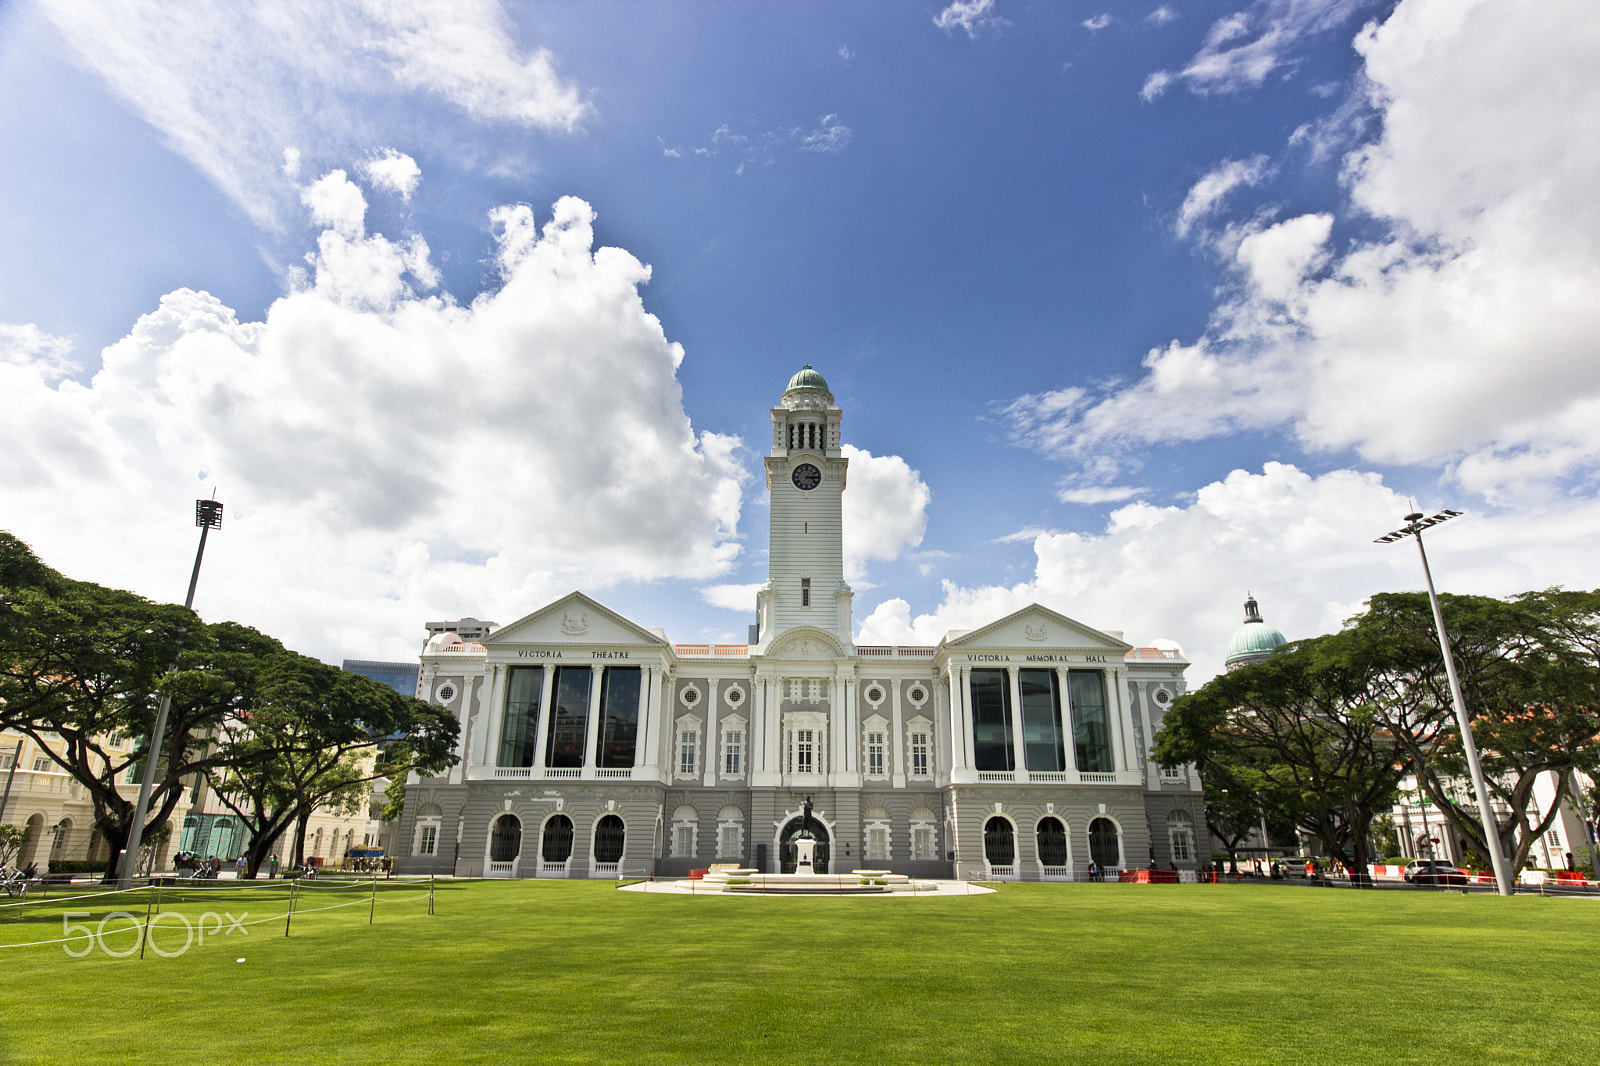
(208, 516)
(1415, 524)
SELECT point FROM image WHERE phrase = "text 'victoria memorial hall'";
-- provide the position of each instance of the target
(592, 746)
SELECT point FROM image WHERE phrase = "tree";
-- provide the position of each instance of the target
(317, 736)
(12, 837)
(1293, 733)
(1530, 677)
(81, 665)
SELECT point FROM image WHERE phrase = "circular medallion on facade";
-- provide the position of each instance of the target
(689, 695)
(917, 695)
(1162, 697)
(734, 696)
(874, 694)
(806, 477)
(445, 692)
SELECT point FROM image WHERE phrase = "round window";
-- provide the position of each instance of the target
(734, 696)
(445, 693)
(874, 694)
(1163, 697)
(691, 696)
(917, 695)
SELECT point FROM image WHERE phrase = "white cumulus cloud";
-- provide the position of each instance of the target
(1302, 544)
(885, 509)
(394, 171)
(384, 455)
(1459, 330)
(1207, 195)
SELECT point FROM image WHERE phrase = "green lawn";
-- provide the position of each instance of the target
(576, 972)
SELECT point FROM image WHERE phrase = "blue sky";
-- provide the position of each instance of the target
(1131, 307)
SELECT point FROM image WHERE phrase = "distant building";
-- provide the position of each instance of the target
(1255, 640)
(468, 629)
(402, 677)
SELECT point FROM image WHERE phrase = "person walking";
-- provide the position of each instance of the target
(240, 865)
(272, 867)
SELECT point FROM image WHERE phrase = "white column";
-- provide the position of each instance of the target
(651, 744)
(1071, 744)
(597, 673)
(777, 743)
(897, 741)
(1122, 746)
(708, 754)
(491, 719)
(755, 751)
(547, 711)
(1019, 748)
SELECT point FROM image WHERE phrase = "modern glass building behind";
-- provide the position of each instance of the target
(402, 677)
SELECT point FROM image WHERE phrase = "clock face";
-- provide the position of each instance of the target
(807, 477)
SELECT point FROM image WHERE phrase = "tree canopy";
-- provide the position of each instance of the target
(82, 665)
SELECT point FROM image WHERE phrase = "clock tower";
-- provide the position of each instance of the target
(806, 479)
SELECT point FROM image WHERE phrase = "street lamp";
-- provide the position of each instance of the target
(208, 516)
(1415, 524)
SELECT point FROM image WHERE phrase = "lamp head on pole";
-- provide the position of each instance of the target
(208, 514)
(1415, 524)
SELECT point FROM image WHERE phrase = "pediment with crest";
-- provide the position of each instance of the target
(574, 619)
(1039, 627)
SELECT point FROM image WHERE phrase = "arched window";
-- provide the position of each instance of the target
(730, 833)
(609, 836)
(922, 834)
(1180, 832)
(1103, 843)
(557, 845)
(999, 842)
(1052, 836)
(505, 838)
(685, 832)
(875, 834)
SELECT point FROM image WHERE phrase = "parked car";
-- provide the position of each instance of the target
(1295, 867)
(1433, 872)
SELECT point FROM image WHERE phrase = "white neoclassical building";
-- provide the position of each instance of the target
(592, 746)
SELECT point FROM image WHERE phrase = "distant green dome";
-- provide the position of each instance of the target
(1253, 641)
(808, 379)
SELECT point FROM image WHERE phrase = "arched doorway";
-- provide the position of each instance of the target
(1103, 847)
(786, 851)
(609, 837)
(1051, 835)
(30, 846)
(1000, 846)
(505, 845)
(555, 847)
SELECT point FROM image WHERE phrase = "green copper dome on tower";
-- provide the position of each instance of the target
(1253, 641)
(808, 379)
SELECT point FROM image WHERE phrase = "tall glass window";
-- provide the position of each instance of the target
(619, 708)
(991, 720)
(875, 754)
(1042, 738)
(1091, 734)
(519, 732)
(569, 723)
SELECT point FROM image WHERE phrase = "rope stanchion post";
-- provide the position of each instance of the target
(372, 912)
(144, 935)
(430, 891)
(294, 888)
